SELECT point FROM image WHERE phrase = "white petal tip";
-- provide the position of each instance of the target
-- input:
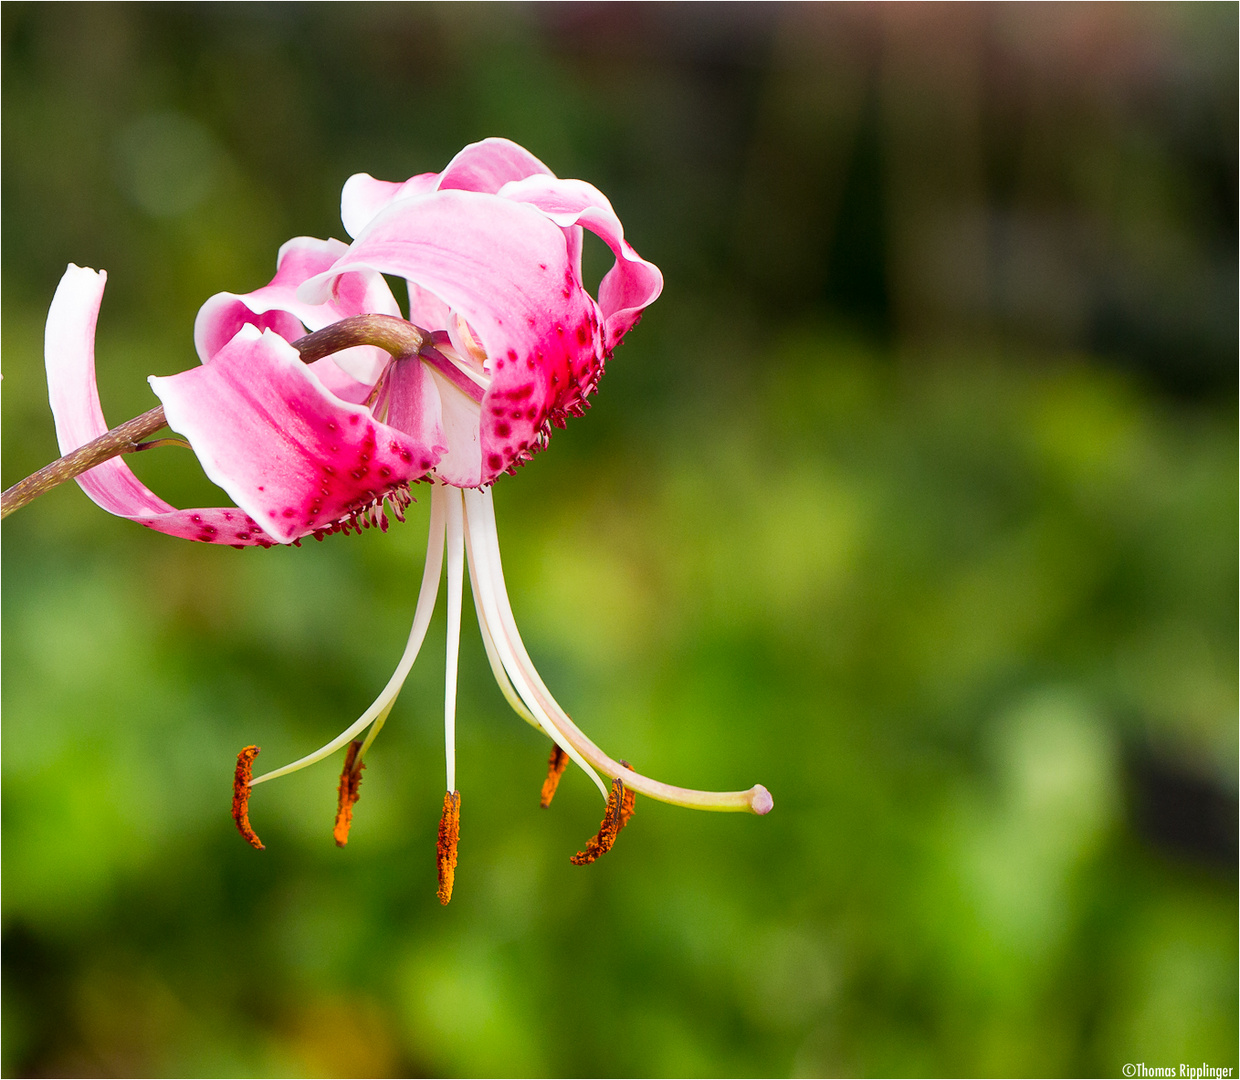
(760, 801)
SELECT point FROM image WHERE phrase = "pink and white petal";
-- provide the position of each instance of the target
(360, 364)
(507, 273)
(489, 165)
(414, 404)
(632, 283)
(292, 455)
(70, 356)
(224, 314)
(363, 197)
(339, 382)
(276, 306)
(626, 290)
(461, 464)
(426, 309)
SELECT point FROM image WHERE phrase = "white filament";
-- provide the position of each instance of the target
(377, 713)
(456, 571)
(488, 584)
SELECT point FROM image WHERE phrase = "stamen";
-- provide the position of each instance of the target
(627, 804)
(241, 795)
(489, 583)
(382, 705)
(455, 553)
(348, 792)
(615, 817)
(483, 549)
(556, 765)
(497, 665)
(445, 849)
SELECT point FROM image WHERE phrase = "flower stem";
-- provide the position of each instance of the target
(120, 440)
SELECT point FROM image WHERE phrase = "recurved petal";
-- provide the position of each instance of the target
(276, 306)
(70, 357)
(489, 165)
(508, 273)
(632, 283)
(293, 456)
(363, 197)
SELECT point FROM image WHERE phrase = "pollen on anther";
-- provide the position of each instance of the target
(348, 792)
(445, 848)
(556, 765)
(615, 817)
(241, 795)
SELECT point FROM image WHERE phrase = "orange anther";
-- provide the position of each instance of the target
(556, 765)
(241, 795)
(347, 793)
(445, 849)
(615, 817)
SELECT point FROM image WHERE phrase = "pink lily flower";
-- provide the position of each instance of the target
(508, 343)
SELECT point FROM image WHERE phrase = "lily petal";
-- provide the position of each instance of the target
(70, 355)
(482, 166)
(508, 273)
(363, 197)
(276, 306)
(632, 283)
(292, 455)
(489, 165)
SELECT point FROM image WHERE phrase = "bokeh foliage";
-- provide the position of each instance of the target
(912, 498)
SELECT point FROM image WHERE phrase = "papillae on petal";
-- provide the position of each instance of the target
(292, 455)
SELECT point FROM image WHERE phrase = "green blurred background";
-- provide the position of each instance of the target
(913, 498)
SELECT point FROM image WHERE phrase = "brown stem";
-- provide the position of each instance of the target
(119, 440)
(393, 335)
(396, 336)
